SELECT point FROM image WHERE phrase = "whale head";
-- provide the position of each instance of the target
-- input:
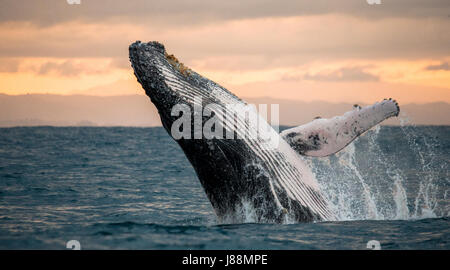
(150, 63)
(169, 83)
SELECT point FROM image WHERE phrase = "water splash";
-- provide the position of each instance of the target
(388, 173)
(400, 198)
(348, 161)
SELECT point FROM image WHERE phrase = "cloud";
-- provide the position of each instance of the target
(9, 65)
(121, 63)
(263, 42)
(188, 12)
(443, 66)
(343, 75)
(342, 91)
(233, 42)
(119, 87)
(70, 67)
(66, 68)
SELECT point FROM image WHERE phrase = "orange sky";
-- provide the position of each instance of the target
(349, 53)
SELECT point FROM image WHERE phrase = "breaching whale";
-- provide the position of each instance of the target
(264, 178)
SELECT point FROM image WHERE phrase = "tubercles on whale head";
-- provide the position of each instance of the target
(144, 60)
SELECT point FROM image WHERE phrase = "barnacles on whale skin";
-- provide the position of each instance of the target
(178, 65)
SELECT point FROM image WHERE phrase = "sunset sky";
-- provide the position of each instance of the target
(335, 51)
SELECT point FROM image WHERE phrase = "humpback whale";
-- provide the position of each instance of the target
(264, 177)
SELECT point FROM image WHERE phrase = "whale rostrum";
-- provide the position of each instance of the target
(247, 178)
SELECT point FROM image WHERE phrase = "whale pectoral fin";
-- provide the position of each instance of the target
(323, 137)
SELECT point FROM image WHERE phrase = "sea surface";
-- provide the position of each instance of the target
(133, 188)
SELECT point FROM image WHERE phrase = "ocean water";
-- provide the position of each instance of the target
(133, 188)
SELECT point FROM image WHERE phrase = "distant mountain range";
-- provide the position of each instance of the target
(77, 110)
(137, 110)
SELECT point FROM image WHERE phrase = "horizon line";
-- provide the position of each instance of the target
(243, 98)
